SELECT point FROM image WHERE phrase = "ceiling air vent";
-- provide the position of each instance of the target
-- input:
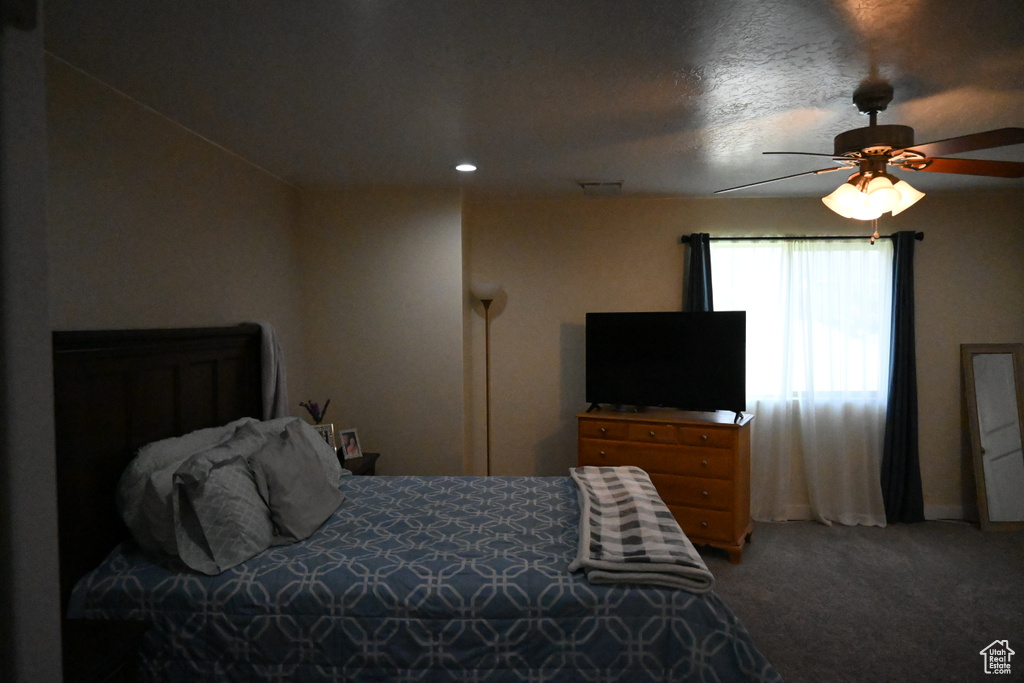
(601, 188)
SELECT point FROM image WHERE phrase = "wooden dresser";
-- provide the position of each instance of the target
(699, 462)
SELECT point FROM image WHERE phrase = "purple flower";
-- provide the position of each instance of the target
(314, 411)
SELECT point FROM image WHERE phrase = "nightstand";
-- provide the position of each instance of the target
(365, 465)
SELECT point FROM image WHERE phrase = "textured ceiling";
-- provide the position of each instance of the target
(670, 97)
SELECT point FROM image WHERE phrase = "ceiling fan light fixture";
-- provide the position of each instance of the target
(908, 196)
(874, 147)
(866, 196)
(881, 195)
(846, 198)
(863, 211)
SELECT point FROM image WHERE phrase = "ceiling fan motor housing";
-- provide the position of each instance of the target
(869, 137)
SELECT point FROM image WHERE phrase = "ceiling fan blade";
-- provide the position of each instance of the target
(969, 143)
(997, 169)
(809, 154)
(785, 177)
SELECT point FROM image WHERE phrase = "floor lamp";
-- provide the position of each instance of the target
(486, 293)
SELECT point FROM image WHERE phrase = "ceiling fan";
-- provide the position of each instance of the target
(871, 190)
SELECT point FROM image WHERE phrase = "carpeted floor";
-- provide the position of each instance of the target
(910, 602)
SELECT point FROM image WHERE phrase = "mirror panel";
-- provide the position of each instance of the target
(999, 434)
(992, 398)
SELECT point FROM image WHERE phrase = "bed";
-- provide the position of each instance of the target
(410, 578)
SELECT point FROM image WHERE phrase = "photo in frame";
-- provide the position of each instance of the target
(348, 444)
(327, 433)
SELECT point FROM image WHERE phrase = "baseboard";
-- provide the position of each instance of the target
(790, 513)
(944, 512)
(931, 512)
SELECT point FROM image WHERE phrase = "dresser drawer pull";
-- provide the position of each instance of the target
(703, 463)
(602, 454)
(703, 437)
(704, 493)
(703, 525)
(603, 430)
(651, 433)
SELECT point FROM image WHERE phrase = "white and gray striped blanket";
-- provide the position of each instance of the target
(628, 534)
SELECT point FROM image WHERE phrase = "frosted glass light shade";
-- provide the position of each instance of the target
(485, 291)
(908, 196)
(878, 196)
(845, 200)
(881, 195)
(864, 211)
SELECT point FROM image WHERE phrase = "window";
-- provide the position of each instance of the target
(818, 320)
(818, 315)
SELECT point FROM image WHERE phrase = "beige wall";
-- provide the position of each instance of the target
(969, 287)
(558, 259)
(151, 226)
(383, 306)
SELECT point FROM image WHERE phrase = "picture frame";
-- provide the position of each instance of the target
(349, 445)
(327, 433)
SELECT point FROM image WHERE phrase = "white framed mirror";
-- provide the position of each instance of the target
(993, 395)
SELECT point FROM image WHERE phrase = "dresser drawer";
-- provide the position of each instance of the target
(652, 433)
(604, 429)
(699, 463)
(682, 460)
(704, 525)
(714, 494)
(706, 436)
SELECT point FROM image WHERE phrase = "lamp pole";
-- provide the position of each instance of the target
(487, 376)
(486, 292)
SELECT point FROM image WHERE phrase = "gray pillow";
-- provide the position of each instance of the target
(292, 481)
(220, 518)
(144, 490)
(327, 456)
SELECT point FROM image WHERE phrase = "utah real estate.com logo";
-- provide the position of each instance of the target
(997, 657)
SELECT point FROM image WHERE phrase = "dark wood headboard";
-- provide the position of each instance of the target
(117, 390)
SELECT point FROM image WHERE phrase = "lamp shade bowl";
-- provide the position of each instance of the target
(485, 291)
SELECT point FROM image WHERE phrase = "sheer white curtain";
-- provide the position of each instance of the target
(818, 320)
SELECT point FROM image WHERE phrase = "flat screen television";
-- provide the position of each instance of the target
(688, 361)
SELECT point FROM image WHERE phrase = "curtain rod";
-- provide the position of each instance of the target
(685, 239)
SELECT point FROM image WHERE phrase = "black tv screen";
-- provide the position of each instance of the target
(687, 361)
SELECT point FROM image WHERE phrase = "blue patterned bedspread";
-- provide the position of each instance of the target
(425, 579)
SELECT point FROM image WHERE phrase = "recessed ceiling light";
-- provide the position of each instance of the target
(465, 168)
